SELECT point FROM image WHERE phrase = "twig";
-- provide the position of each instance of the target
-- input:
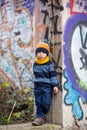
(10, 114)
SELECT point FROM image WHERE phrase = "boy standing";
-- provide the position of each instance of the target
(45, 82)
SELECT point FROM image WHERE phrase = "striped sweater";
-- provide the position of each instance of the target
(45, 73)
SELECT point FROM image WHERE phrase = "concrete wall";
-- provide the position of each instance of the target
(22, 24)
(48, 25)
(16, 42)
(75, 64)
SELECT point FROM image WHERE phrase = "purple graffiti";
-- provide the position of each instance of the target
(85, 8)
(30, 5)
(68, 32)
(2, 3)
(68, 5)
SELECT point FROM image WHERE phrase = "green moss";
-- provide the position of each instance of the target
(83, 85)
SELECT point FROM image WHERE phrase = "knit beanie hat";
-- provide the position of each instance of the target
(43, 46)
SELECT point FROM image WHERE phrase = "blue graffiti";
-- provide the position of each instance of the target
(30, 5)
(2, 3)
(81, 4)
(85, 8)
(72, 98)
(68, 5)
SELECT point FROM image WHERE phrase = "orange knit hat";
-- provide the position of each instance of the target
(42, 46)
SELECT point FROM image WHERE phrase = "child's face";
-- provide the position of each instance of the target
(41, 55)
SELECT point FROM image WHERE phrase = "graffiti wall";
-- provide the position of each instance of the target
(16, 41)
(48, 26)
(75, 63)
(22, 24)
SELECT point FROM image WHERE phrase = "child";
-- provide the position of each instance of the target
(45, 82)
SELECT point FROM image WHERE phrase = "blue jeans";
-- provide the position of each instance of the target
(43, 97)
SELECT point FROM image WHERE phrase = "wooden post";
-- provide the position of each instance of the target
(55, 113)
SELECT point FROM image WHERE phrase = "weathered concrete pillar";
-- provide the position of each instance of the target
(50, 19)
(55, 113)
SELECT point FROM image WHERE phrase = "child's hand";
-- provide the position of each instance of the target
(55, 90)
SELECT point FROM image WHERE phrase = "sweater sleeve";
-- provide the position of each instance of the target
(53, 76)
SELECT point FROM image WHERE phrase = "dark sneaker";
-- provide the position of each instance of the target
(38, 121)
